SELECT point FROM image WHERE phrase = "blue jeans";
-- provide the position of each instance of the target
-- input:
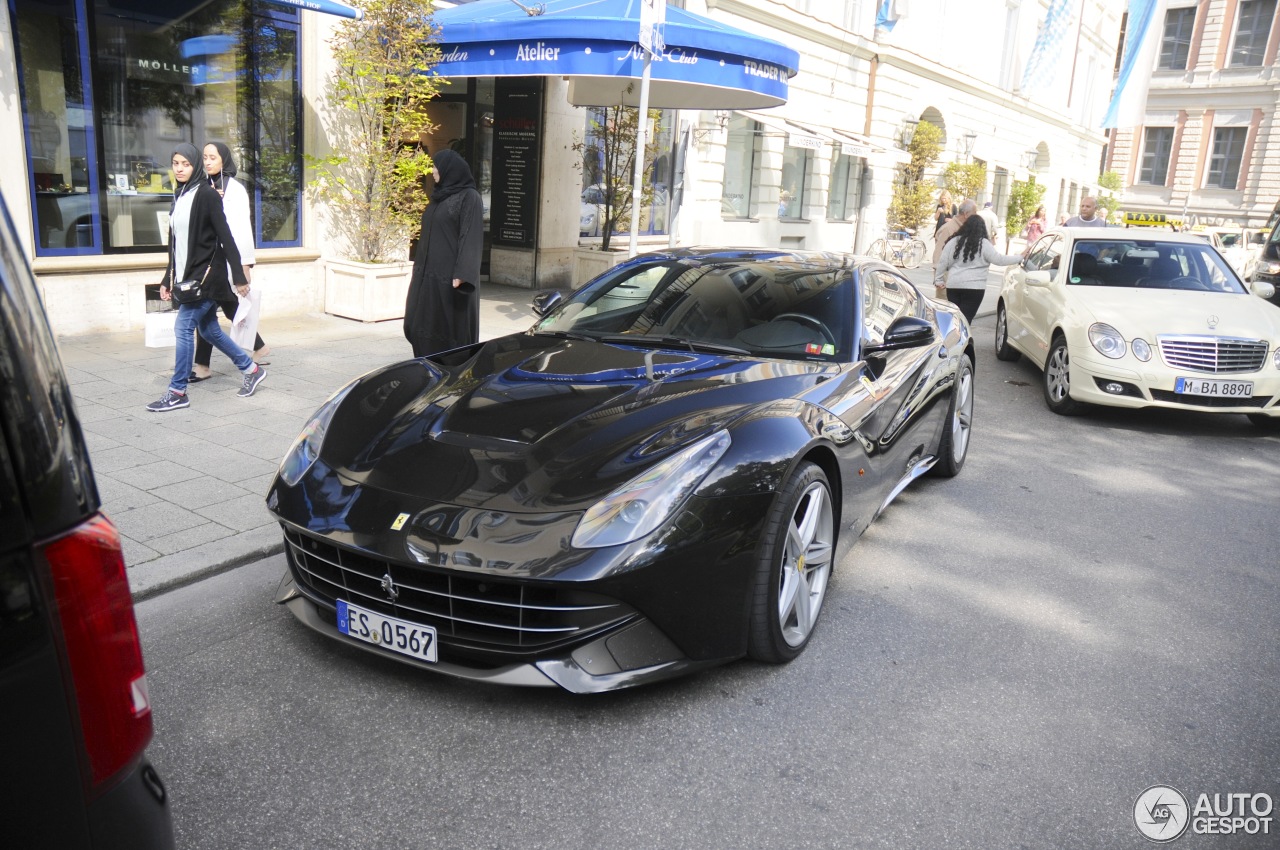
(202, 315)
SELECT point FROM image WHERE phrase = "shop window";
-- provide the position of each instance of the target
(196, 73)
(1224, 161)
(1156, 145)
(1175, 47)
(846, 175)
(740, 157)
(1253, 25)
(606, 152)
(797, 162)
(58, 119)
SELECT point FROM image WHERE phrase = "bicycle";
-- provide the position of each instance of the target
(899, 247)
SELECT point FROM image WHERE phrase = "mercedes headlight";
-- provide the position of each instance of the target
(1141, 349)
(643, 503)
(1107, 340)
(304, 451)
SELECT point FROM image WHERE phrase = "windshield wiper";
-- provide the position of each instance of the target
(568, 335)
(694, 345)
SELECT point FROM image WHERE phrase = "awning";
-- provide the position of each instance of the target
(594, 44)
(326, 7)
(802, 134)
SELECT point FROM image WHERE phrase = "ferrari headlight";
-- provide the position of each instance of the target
(643, 503)
(1141, 349)
(1107, 340)
(306, 448)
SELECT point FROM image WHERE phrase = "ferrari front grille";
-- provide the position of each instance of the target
(473, 610)
(1214, 354)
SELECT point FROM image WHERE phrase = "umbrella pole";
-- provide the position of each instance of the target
(637, 181)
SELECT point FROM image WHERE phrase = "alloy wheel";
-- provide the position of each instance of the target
(806, 564)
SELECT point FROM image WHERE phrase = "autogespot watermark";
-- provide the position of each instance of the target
(1162, 813)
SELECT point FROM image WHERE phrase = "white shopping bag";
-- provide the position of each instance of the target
(158, 329)
(244, 327)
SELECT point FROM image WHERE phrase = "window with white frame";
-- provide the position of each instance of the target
(846, 176)
(1224, 161)
(1157, 143)
(1253, 26)
(797, 163)
(741, 154)
(1175, 47)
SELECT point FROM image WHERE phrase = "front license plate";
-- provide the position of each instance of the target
(1208, 386)
(387, 632)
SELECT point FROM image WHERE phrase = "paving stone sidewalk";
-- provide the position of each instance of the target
(187, 488)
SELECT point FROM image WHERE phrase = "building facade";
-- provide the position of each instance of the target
(1208, 148)
(95, 94)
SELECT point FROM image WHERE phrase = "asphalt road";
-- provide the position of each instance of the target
(1007, 659)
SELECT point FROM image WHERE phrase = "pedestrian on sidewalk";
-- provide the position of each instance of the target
(1088, 214)
(943, 212)
(220, 168)
(442, 310)
(961, 277)
(1035, 228)
(948, 230)
(200, 248)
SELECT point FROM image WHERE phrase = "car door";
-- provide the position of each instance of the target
(1035, 317)
(894, 423)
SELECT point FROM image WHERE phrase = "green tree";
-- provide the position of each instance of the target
(609, 161)
(373, 187)
(965, 180)
(912, 203)
(1109, 184)
(1024, 199)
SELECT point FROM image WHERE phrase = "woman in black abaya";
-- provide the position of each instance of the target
(442, 310)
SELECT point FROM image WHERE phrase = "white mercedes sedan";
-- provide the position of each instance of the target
(1132, 317)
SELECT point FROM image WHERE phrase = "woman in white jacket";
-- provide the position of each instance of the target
(220, 167)
(961, 273)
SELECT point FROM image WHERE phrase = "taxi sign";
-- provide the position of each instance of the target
(1150, 219)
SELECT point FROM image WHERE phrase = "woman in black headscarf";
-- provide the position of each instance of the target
(201, 248)
(442, 310)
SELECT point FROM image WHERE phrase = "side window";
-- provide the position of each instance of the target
(885, 297)
(1046, 256)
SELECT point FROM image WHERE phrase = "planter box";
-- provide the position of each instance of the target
(590, 262)
(366, 292)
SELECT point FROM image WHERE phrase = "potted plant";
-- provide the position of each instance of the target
(372, 187)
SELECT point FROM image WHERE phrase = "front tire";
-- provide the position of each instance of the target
(879, 249)
(1265, 422)
(793, 567)
(1057, 379)
(1004, 351)
(953, 448)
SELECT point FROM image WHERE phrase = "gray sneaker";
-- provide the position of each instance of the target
(170, 401)
(251, 381)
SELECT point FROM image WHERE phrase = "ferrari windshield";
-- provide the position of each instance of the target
(779, 309)
(1152, 264)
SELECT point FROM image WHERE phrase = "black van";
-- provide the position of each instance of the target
(75, 717)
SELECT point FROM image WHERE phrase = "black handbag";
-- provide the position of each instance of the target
(190, 291)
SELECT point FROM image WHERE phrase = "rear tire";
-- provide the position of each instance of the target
(1004, 351)
(1057, 379)
(914, 253)
(879, 249)
(794, 562)
(953, 448)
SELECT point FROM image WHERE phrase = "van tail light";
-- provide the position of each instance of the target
(102, 645)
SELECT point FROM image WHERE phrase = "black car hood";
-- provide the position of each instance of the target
(534, 423)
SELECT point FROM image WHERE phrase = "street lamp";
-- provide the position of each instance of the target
(969, 139)
(908, 131)
(1030, 159)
